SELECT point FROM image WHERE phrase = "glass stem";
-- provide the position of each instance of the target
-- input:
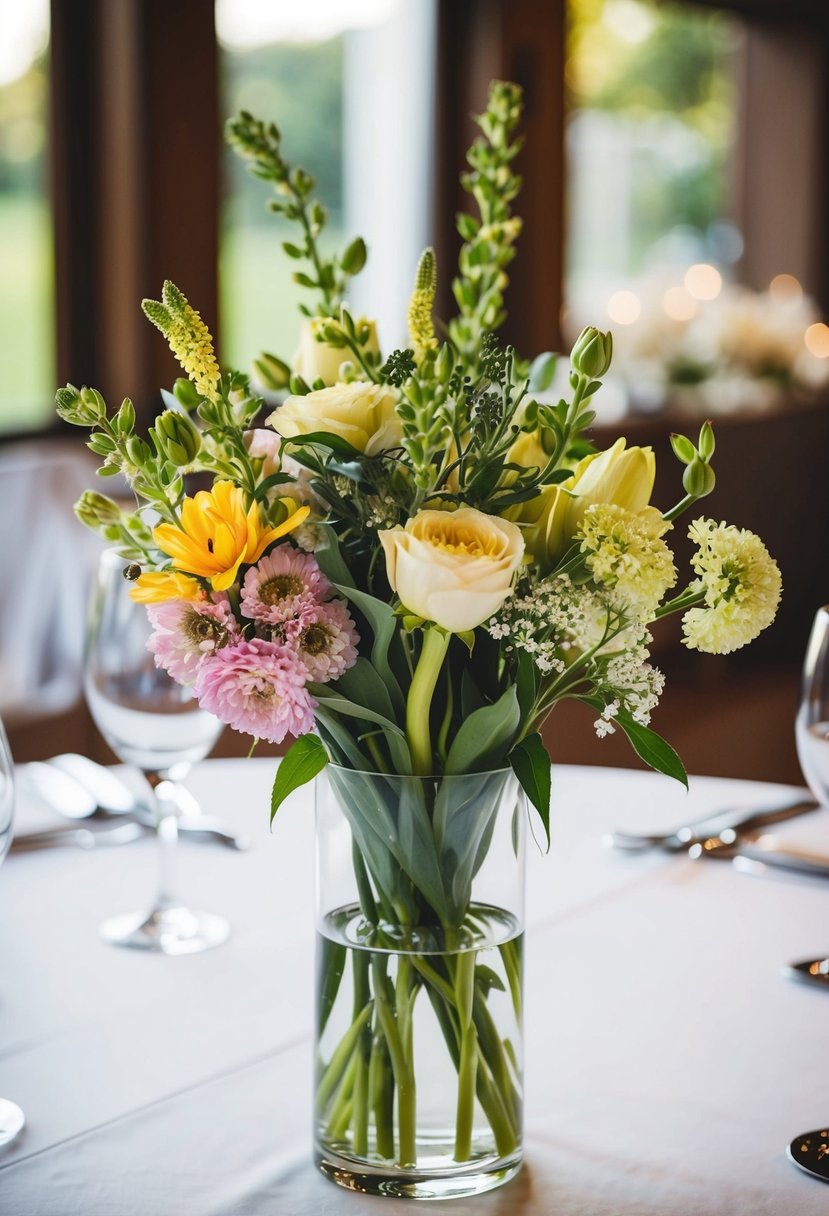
(166, 826)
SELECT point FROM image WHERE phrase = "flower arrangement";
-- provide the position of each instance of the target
(742, 350)
(407, 567)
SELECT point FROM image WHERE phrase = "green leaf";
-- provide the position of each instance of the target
(324, 439)
(484, 736)
(542, 371)
(300, 764)
(652, 748)
(330, 560)
(331, 965)
(354, 258)
(531, 765)
(648, 745)
(384, 624)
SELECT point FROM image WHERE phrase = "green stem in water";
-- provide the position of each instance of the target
(419, 702)
(468, 1063)
(402, 1066)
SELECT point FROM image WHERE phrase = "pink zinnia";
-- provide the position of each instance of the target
(283, 585)
(257, 687)
(328, 642)
(185, 632)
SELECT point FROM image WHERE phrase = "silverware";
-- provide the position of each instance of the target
(78, 788)
(810, 1152)
(810, 971)
(736, 819)
(753, 859)
(83, 838)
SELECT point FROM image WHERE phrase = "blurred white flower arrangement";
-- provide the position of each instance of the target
(712, 347)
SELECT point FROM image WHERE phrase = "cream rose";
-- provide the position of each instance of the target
(363, 414)
(455, 568)
(316, 360)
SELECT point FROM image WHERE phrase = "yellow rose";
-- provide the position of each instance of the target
(317, 360)
(363, 414)
(455, 568)
(528, 451)
(620, 475)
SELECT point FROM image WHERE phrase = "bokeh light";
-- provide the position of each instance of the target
(624, 308)
(817, 340)
(704, 282)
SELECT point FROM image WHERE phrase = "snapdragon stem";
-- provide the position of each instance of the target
(419, 702)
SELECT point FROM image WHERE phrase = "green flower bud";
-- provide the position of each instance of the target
(445, 362)
(80, 407)
(592, 352)
(177, 438)
(96, 510)
(699, 479)
(124, 420)
(186, 393)
(272, 372)
(137, 450)
(94, 403)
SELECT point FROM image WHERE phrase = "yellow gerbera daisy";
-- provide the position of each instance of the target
(218, 534)
(157, 586)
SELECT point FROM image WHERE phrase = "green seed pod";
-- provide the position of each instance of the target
(699, 479)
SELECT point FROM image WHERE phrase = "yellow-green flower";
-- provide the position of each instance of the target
(421, 327)
(217, 534)
(158, 586)
(740, 583)
(190, 339)
(624, 551)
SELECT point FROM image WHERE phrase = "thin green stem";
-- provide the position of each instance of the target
(419, 701)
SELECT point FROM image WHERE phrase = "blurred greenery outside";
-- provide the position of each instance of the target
(300, 87)
(27, 367)
(661, 76)
(680, 70)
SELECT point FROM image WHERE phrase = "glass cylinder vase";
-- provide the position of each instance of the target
(420, 922)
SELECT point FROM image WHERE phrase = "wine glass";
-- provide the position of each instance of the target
(812, 735)
(11, 1116)
(156, 725)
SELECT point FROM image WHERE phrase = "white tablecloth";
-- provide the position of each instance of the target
(669, 1063)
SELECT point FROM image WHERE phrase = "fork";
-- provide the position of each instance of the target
(737, 819)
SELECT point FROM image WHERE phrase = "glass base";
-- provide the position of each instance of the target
(166, 930)
(444, 1182)
(12, 1121)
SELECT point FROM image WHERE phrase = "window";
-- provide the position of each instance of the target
(342, 79)
(26, 281)
(650, 138)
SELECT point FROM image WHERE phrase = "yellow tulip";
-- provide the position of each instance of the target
(217, 534)
(156, 586)
(620, 475)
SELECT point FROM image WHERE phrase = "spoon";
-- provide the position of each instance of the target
(78, 788)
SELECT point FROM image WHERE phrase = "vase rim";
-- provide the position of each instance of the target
(489, 772)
